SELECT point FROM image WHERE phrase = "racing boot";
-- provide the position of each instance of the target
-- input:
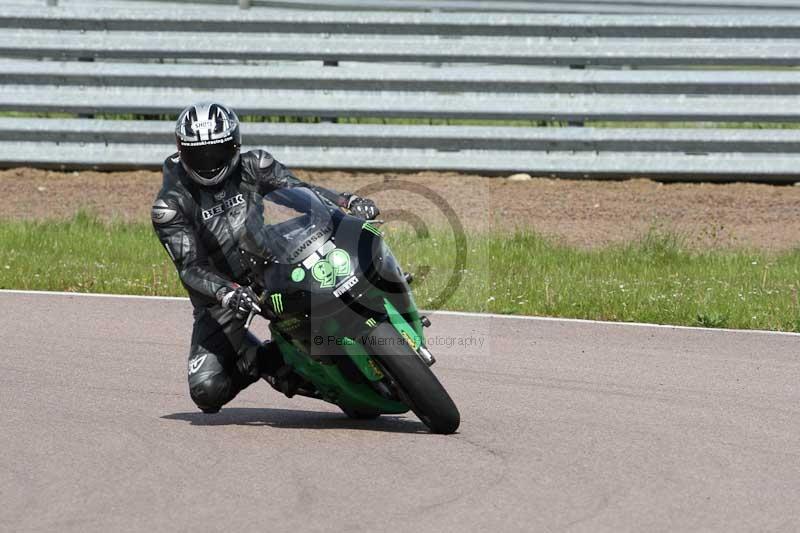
(285, 380)
(278, 374)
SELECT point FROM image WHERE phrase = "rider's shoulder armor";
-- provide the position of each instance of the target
(264, 172)
(257, 166)
(172, 171)
(173, 194)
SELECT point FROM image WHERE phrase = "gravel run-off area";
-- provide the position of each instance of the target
(584, 213)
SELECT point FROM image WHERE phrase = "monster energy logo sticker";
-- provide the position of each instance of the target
(371, 323)
(335, 265)
(277, 302)
(370, 228)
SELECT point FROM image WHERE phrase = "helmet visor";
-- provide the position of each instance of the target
(208, 158)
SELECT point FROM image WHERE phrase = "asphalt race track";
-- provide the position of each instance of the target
(566, 426)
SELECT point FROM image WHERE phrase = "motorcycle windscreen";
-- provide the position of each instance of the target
(290, 226)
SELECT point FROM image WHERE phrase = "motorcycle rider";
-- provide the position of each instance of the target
(199, 215)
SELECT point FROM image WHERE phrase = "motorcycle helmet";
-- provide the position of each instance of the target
(208, 139)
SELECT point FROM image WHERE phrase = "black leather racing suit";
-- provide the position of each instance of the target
(200, 228)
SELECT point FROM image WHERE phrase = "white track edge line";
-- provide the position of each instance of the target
(96, 295)
(609, 323)
(465, 314)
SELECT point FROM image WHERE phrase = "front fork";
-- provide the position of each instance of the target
(412, 335)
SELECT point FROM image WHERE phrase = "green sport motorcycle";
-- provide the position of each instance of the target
(341, 310)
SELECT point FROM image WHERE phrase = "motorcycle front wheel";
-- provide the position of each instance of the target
(418, 386)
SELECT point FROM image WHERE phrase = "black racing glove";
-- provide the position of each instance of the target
(362, 207)
(241, 300)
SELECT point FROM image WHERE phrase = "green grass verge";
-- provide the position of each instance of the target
(85, 255)
(655, 280)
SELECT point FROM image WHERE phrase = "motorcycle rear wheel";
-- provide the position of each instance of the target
(417, 383)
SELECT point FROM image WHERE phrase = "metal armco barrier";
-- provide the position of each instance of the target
(673, 95)
(646, 7)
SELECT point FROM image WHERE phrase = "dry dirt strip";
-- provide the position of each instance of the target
(584, 213)
(567, 425)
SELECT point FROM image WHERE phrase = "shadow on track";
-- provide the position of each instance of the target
(298, 419)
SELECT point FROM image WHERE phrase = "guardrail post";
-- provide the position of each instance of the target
(329, 63)
(576, 123)
(244, 4)
(85, 60)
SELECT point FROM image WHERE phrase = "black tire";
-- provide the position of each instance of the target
(422, 390)
(359, 415)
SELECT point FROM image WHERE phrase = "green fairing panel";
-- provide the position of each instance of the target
(416, 323)
(414, 337)
(330, 382)
(362, 360)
